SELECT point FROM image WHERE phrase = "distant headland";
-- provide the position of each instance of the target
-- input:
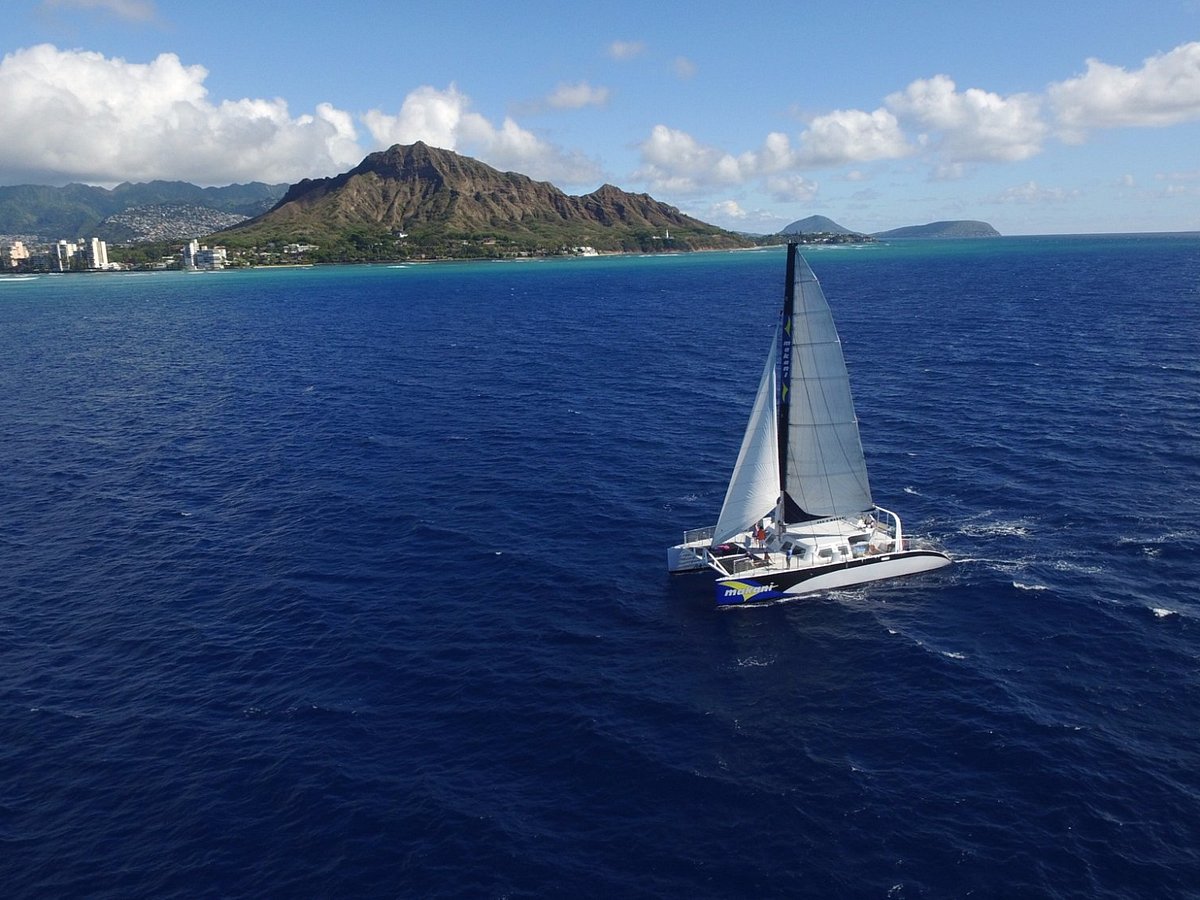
(956, 228)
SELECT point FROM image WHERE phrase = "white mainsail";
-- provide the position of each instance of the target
(754, 486)
(826, 473)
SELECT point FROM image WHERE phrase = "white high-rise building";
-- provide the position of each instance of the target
(97, 251)
(61, 255)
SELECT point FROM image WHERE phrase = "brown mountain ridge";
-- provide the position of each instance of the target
(416, 200)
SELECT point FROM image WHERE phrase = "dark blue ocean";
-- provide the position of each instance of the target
(350, 582)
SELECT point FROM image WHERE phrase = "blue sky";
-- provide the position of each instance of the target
(1039, 117)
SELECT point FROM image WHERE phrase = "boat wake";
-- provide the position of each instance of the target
(1076, 567)
(755, 662)
(926, 645)
(997, 528)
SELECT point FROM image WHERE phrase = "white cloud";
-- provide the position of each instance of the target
(70, 115)
(623, 50)
(974, 125)
(948, 171)
(730, 214)
(1165, 91)
(776, 155)
(444, 119)
(792, 188)
(934, 120)
(130, 10)
(1031, 192)
(728, 210)
(673, 160)
(577, 96)
(82, 116)
(427, 114)
(683, 67)
(1178, 184)
(852, 136)
(1178, 176)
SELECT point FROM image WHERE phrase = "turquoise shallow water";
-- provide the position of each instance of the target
(350, 582)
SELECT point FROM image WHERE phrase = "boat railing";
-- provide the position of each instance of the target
(889, 523)
(736, 565)
(699, 534)
(742, 564)
(884, 520)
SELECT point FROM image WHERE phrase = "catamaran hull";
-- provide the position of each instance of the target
(685, 558)
(787, 583)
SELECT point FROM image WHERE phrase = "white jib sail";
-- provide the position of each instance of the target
(754, 485)
(826, 472)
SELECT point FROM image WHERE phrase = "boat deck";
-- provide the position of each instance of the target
(802, 546)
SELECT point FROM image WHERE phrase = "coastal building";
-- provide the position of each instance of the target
(198, 256)
(73, 256)
(97, 254)
(13, 254)
(62, 255)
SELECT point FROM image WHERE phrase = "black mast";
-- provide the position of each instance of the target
(785, 378)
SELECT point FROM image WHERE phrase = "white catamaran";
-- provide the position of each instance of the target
(798, 515)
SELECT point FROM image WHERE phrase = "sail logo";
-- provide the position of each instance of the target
(743, 591)
(785, 362)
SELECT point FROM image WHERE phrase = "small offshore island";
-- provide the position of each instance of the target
(407, 203)
(821, 230)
